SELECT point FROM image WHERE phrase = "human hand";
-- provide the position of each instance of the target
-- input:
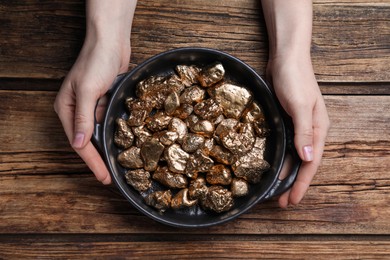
(105, 54)
(89, 79)
(298, 92)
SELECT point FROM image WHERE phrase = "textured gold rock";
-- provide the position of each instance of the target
(155, 90)
(239, 142)
(192, 142)
(123, 136)
(138, 111)
(171, 103)
(167, 137)
(219, 174)
(198, 162)
(218, 199)
(250, 167)
(158, 122)
(253, 114)
(181, 200)
(203, 127)
(177, 125)
(139, 179)
(188, 74)
(151, 151)
(208, 109)
(211, 74)
(183, 111)
(192, 95)
(233, 99)
(171, 180)
(141, 134)
(198, 189)
(176, 158)
(161, 200)
(131, 158)
(226, 125)
(222, 155)
(239, 187)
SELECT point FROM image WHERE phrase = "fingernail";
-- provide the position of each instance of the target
(78, 140)
(308, 153)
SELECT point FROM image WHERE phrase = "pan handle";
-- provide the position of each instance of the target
(97, 136)
(291, 160)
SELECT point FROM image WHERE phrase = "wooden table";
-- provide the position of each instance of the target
(52, 206)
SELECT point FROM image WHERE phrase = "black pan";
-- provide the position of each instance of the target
(279, 143)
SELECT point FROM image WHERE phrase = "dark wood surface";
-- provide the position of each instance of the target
(51, 206)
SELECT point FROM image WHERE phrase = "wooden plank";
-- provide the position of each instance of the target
(196, 249)
(77, 203)
(350, 39)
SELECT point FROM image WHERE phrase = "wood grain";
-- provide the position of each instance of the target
(350, 39)
(196, 249)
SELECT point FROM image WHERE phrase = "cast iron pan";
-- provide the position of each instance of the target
(279, 143)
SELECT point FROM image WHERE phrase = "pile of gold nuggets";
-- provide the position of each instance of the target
(198, 135)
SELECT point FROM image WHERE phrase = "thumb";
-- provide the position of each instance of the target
(83, 119)
(303, 137)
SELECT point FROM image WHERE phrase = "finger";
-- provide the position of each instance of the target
(64, 108)
(92, 158)
(309, 169)
(303, 128)
(84, 118)
(284, 199)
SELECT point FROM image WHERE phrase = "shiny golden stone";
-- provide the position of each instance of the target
(239, 187)
(240, 142)
(226, 125)
(141, 134)
(131, 158)
(222, 155)
(181, 200)
(198, 162)
(151, 151)
(218, 199)
(161, 200)
(188, 74)
(171, 103)
(139, 179)
(177, 125)
(123, 136)
(155, 90)
(203, 127)
(198, 189)
(253, 114)
(158, 122)
(192, 95)
(192, 142)
(170, 179)
(207, 146)
(176, 158)
(211, 74)
(138, 111)
(208, 109)
(219, 175)
(251, 167)
(233, 99)
(183, 111)
(167, 137)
